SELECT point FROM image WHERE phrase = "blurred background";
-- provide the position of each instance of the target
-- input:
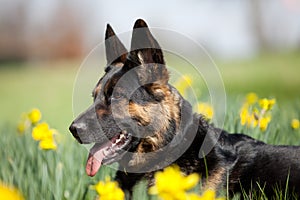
(53, 29)
(254, 43)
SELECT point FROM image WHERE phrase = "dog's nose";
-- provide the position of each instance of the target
(74, 129)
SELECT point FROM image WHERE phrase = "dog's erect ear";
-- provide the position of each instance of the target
(115, 50)
(146, 53)
(143, 41)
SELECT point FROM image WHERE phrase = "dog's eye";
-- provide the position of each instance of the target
(116, 95)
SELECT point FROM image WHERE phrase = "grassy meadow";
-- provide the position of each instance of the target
(60, 174)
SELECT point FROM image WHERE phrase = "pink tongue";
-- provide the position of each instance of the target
(93, 164)
(95, 158)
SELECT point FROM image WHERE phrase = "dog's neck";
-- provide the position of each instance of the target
(191, 129)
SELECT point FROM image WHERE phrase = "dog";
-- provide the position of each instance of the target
(142, 122)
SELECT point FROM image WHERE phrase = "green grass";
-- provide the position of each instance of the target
(268, 75)
(34, 85)
(40, 174)
(60, 174)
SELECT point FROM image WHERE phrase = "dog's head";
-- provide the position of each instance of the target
(134, 109)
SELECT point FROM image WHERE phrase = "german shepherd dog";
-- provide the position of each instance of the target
(142, 122)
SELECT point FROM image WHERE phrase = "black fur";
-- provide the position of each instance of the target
(249, 163)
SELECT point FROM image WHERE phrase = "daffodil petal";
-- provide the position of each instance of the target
(153, 190)
(191, 181)
(35, 115)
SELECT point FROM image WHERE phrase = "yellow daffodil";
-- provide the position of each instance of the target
(109, 190)
(248, 118)
(172, 184)
(254, 116)
(35, 115)
(21, 127)
(244, 114)
(206, 110)
(263, 123)
(207, 195)
(252, 121)
(48, 144)
(267, 104)
(264, 103)
(9, 193)
(295, 124)
(193, 196)
(24, 123)
(251, 98)
(183, 83)
(271, 103)
(45, 135)
(42, 131)
(210, 195)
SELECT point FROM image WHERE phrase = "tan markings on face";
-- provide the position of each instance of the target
(140, 112)
(102, 112)
(161, 114)
(97, 90)
(171, 106)
(215, 180)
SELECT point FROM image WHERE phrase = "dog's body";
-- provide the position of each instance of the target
(238, 162)
(140, 121)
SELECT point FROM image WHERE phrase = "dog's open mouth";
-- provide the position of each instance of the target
(107, 153)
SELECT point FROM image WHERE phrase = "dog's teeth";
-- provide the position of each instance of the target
(105, 153)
